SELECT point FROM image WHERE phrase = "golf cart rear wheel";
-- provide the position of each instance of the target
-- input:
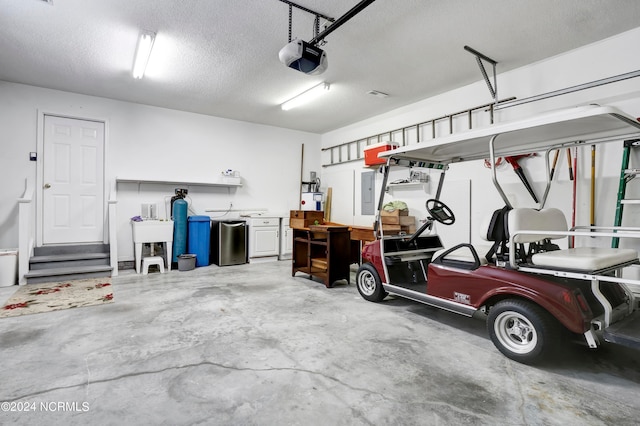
(369, 283)
(522, 330)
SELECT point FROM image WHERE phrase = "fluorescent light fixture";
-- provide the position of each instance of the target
(307, 96)
(145, 44)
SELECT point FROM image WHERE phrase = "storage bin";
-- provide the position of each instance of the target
(8, 267)
(186, 262)
(199, 238)
(371, 153)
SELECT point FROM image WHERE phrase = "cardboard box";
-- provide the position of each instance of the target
(407, 220)
(396, 212)
(371, 153)
(398, 220)
(408, 229)
(390, 220)
(391, 228)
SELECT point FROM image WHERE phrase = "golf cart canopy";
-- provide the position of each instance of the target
(587, 124)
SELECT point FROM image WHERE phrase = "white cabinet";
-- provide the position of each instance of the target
(286, 239)
(264, 239)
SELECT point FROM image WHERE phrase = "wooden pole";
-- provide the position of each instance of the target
(569, 162)
(301, 177)
(327, 205)
(555, 161)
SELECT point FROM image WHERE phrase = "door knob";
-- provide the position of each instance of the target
(47, 185)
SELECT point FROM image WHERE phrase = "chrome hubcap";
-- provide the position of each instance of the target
(367, 283)
(515, 332)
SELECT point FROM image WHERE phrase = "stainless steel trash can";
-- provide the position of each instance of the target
(229, 242)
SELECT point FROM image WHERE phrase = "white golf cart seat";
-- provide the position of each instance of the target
(527, 225)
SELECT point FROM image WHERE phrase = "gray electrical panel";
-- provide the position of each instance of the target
(367, 193)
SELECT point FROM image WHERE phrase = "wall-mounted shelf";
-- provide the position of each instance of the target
(177, 182)
(407, 185)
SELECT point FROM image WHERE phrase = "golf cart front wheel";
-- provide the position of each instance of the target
(522, 331)
(369, 283)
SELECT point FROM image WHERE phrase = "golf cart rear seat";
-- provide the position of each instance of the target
(527, 225)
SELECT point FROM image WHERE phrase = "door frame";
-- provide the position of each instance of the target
(41, 113)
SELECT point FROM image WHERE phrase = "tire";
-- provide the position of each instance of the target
(369, 283)
(522, 330)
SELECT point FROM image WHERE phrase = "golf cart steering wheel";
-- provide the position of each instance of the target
(440, 212)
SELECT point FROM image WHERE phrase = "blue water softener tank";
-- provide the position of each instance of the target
(198, 241)
(179, 215)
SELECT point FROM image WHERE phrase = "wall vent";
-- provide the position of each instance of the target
(377, 94)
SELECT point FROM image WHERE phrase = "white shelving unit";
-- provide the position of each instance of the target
(177, 182)
(407, 185)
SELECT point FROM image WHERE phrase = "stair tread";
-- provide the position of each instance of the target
(67, 271)
(66, 257)
(69, 249)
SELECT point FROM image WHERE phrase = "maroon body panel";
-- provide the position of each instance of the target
(489, 281)
(371, 253)
(479, 286)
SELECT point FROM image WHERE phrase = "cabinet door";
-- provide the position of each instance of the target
(265, 241)
(286, 240)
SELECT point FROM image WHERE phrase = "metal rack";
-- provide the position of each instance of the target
(354, 150)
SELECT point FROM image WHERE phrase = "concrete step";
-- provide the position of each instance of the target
(69, 249)
(68, 273)
(68, 260)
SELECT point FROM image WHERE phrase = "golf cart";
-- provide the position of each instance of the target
(530, 289)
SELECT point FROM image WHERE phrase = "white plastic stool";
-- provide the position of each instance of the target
(152, 260)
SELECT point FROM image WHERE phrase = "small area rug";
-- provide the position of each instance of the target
(47, 297)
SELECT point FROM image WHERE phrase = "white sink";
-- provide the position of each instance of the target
(151, 231)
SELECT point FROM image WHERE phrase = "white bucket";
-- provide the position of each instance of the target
(8, 267)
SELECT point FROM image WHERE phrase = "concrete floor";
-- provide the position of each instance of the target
(249, 344)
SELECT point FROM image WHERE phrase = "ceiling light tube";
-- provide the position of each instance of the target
(306, 97)
(145, 44)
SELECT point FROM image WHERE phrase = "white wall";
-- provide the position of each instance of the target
(156, 143)
(151, 142)
(606, 58)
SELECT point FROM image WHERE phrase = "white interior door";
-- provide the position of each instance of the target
(73, 181)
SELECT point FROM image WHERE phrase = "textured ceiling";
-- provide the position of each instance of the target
(220, 57)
